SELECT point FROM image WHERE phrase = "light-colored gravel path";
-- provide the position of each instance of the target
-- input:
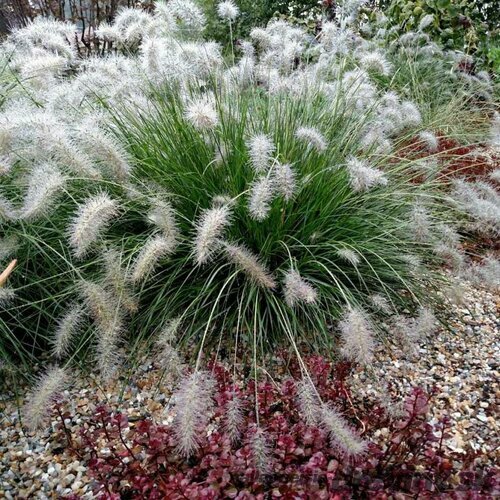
(461, 363)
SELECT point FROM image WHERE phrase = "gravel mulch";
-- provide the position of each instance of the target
(460, 362)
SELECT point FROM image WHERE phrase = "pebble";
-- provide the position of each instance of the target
(460, 362)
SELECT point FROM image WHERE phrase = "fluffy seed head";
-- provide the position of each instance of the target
(297, 290)
(426, 21)
(430, 140)
(233, 417)
(201, 113)
(250, 265)
(375, 61)
(261, 196)
(7, 295)
(193, 404)
(92, 218)
(167, 356)
(381, 303)
(260, 149)
(228, 10)
(312, 137)
(43, 396)
(362, 176)
(341, 435)
(284, 180)
(155, 249)
(308, 402)
(357, 336)
(209, 230)
(67, 328)
(45, 182)
(349, 255)
(261, 452)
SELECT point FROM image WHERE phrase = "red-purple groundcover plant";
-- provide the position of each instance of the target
(292, 460)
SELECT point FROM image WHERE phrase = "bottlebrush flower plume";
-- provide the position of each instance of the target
(261, 195)
(261, 452)
(93, 216)
(43, 396)
(107, 315)
(349, 255)
(250, 265)
(163, 217)
(284, 180)
(209, 229)
(312, 137)
(155, 249)
(341, 435)
(308, 402)
(297, 290)
(7, 295)
(233, 417)
(357, 336)
(167, 356)
(67, 328)
(228, 10)
(201, 113)
(115, 277)
(193, 405)
(45, 183)
(261, 149)
(430, 140)
(375, 61)
(426, 21)
(7, 211)
(362, 176)
(381, 303)
(8, 246)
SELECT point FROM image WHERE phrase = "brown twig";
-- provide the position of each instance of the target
(6, 273)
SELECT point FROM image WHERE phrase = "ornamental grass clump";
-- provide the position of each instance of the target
(253, 201)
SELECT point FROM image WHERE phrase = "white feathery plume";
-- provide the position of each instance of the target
(425, 22)
(357, 336)
(8, 246)
(375, 61)
(167, 356)
(105, 311)
(209, 229)
(342, 437)
(116, 278)
(362, 177)
(45, 183)
(430, 140)
(261, 149)
(308, 402)
(201, 113)
(100, 145)
(156, 248)
(381, 303)
(228, 10)
(250, 265)
(163, 217)
(297, 290)
(193, 404)
(190, 16)
(494, 139)
(68, 327)
(410, 114)
(495, 175)
(93, 216)
(7, 210)
(260, 197)
(420, 223)
(233, 417)
(43, 396)
(284, 180)
(261, 452)
(424, 325)
(349, 255)
(7, 295)
(313, 137)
